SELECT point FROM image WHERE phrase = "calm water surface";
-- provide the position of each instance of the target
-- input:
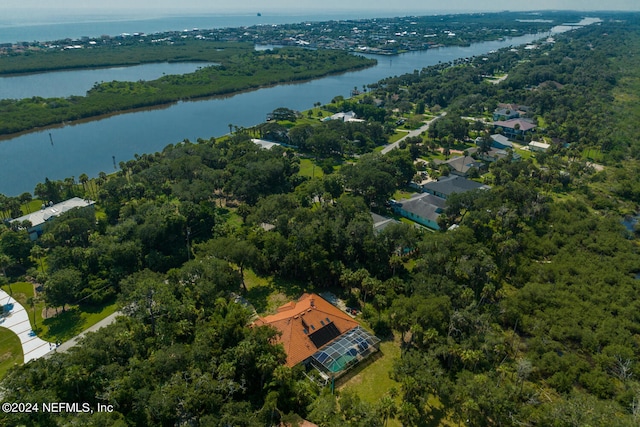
(89, 147)
(78, 82)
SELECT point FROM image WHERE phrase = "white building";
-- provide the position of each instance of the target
(538, 146)
(349, 116)
(49, 212)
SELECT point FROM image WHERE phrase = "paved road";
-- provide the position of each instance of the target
(65, 346)
(416, 132)
(17, 321)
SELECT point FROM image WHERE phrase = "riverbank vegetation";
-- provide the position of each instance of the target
(122, 53)
(525, 314)
(247, 69)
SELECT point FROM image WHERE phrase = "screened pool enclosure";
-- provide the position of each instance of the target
(341, 354)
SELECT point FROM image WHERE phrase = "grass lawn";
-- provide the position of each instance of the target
(592, 154)
(373, 381)
(233, 219)
(268, 293)
(10, 350)
(403, 194)
(541, 122)
(307, 169)
(525, 154)
(73, 321)
(32, 206)
(65, 325)
(396, 136)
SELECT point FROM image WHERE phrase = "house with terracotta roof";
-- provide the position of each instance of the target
(316, 333)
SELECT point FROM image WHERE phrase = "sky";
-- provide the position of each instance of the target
(404, 7)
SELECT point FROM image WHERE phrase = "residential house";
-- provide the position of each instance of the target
(505, 114)
(446, 186)
(515, 128)
(316, 333)
(500, 142)
(349, 116)
(381, 222)
(50, 212)
(463, 165)
(267, 145)
(424, 209)
(537, 146)
(522, 110)
(494, 154)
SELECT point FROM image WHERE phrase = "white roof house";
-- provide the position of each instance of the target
(267, 145)
(538, 146)
(349, 116)
(37, 219)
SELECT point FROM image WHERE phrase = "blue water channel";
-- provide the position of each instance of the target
(78, 82)
(89, 147)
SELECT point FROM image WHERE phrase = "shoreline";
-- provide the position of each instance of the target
(164, 105)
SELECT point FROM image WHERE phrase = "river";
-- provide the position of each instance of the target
(77, 82)
(89, 147)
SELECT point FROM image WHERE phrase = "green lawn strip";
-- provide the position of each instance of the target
(307, 169)
(373, 381)
(267, 293)
(396, 136)
(542, 122)
(30, 207)
(232, 219)
(406, 192)
(524, 154)
(592, 154)
(73, 321)
(65, 325)
(10, 350)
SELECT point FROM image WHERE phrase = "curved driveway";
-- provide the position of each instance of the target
(18, 322)
(415, 132)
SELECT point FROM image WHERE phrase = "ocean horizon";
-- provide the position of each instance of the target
(38, 27)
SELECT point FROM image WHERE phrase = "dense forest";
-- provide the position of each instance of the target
(525, 314)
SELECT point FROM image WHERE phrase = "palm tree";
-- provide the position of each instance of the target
(3, 205)
(38, 252)
(25, 198)
(102, 178)
(5, 262)
(387, 408)
(83, 180)
(31, 301)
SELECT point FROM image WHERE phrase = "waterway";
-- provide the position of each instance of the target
(89, 147)
(78, 82)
